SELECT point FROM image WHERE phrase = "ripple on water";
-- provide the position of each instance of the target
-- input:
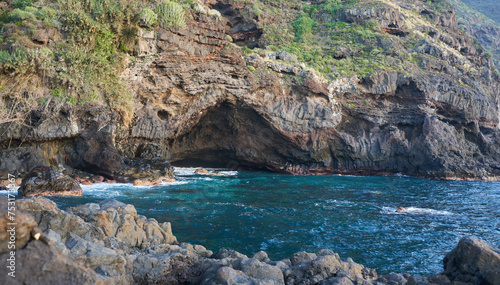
(414, 210)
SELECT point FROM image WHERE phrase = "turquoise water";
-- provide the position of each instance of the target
(354, 216)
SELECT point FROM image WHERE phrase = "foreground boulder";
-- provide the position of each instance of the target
(13, 239)
(42, 263)
(43, 181)
(473, 261)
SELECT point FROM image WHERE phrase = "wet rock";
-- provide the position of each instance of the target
(401, 210)
(44, 181)
(474, 261)
(153, 182)
(206, 172)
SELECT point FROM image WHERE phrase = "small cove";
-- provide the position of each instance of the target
(353, 216)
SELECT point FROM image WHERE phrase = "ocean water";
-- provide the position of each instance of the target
(284, 214)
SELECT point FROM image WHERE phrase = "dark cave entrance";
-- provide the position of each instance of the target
(229, 136)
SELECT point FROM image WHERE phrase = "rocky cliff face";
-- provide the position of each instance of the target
(484, 29)
(198, 98)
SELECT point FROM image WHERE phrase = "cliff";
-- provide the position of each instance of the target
(484, 29)
(357, 87)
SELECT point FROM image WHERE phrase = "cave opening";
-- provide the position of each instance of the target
(228, 136)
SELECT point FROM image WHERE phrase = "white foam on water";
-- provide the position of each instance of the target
(161, 184)
(274, 241)
(174, 183)
(238, 204)
(415, 210)
(203, 179)
(185, 171)
(190, 171)
(104, 185)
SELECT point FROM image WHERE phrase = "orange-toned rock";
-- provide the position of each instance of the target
(401, 210)
(153, 182)
(206, 172)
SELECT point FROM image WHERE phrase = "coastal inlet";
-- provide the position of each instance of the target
(283, 214)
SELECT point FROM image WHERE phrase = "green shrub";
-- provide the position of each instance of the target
(303, 28)
(20, 15)
(170, 14)
(31, 10)
(46, 14)
(148, 17)
(22, 3)
(332, 6)
(104, 45)
(57, 92)
(25, 61)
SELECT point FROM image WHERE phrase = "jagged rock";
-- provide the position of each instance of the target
(301, 257)
(227, 253)
(15, 226)
(41, 263)
(103, 260)
(57, 241)
(44, 181)
(120, 220)
(153, 182)
(262, 271)
(285, 56)
(473, 261)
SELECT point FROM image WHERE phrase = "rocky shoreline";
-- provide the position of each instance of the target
(109, 243)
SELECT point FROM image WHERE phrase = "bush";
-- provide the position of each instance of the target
(21, 15)
(332, 6)
(303, 27)
(22, 3)
(171, 14)
(148, 17)
(31, 10)
(46, 14)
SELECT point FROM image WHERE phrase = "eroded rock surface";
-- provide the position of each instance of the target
(43, 181)
(197, 97)
(473, 261)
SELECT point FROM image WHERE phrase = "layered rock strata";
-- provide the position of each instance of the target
(197, 98)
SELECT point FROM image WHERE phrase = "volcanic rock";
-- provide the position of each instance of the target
(43, 181)
(473, 261)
